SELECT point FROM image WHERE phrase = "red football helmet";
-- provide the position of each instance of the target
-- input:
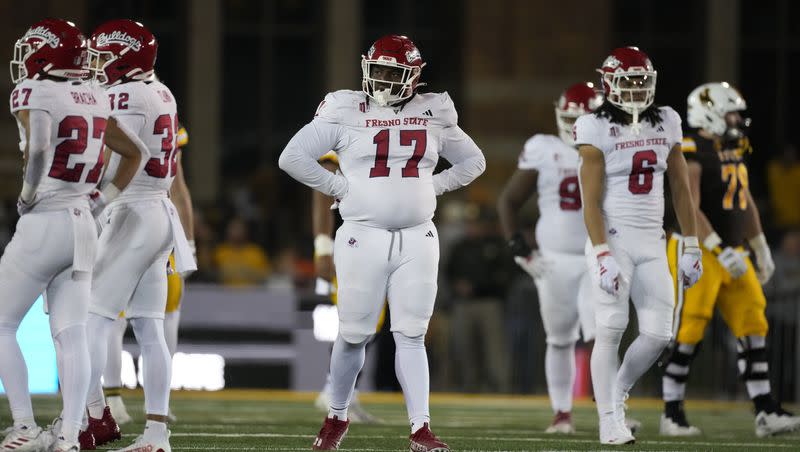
(629, 80)
(397, 52)
(50, 47)
(122, 50)
(579, 99)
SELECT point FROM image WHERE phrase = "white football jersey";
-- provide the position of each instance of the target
(388, 156)
(560, 227)
(150, 108)
(635, 165)
(79, 113)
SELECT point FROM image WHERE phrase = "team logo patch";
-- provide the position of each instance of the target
(353, 242)
(612, 62)
(44, 34)
(371, 52)
(413, 55)
(76, 212)
(612, 231)
(119, 37)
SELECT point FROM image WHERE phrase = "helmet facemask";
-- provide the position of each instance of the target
(632, 91)
(566, 120)
(398, 82)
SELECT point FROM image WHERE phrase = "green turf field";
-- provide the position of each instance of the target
(283, 421)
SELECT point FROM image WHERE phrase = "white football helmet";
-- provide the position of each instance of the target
(708, 104)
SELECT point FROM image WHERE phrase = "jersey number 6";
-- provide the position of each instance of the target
(640, 181)
(419, 138)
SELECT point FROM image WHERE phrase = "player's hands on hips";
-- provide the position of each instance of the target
(341, 187)
(691, 263)
(534, 264)
(608, 269)
(23, 206)
(766, 266)
(733, 261)
(97, 202)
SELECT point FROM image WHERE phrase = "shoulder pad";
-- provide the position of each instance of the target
(128, 98)
(338, 106)
(32, 95)
(442, 108)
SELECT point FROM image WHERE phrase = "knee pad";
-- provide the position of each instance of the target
(148, 331)
(608, 337)
(403, 341)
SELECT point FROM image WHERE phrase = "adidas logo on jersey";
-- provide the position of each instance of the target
(613, 132)
(429, 234)
(660, 129)
(428, 113)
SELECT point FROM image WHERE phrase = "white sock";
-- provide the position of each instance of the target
(157, 363)
(752, 351)
(673, 384)
(171, 322)
(155, 431)
(71, 345)
(605, 364)
(642, 353)
(112, 375)
(346, 362)
(98, 329)
(14, 375)
(559, 368)
(411, 367)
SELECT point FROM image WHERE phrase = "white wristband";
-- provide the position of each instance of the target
(691, 242)
(110, 192)
(758, 242)
(712, 241)
(601, 248)
(323, 245)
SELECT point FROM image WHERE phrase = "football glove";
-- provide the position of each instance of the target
(691, 263)
(519, 247)
(608, 269)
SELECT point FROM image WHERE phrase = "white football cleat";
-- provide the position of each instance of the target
(669, 427)
(562, 423)
(23, 439)
(118, 410)
(775, 423)
(62, 445)
(148, 445)
(613, 432)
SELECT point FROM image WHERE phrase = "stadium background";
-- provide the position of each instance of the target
(248, 73)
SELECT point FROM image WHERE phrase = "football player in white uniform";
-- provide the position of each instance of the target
(548, 166)
(388, 138)
(63, 121)
(626, 146)
(141, 229)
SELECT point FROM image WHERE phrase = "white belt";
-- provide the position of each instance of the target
(184, 259)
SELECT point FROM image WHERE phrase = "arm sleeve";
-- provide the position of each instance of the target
(465, 156)
(300, 158)
(40, 124)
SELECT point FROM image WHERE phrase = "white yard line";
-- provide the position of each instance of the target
(486, 438)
